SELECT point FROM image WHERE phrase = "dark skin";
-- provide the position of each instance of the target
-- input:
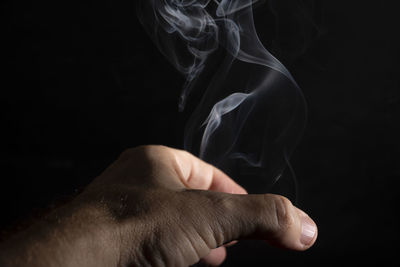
(157, 206)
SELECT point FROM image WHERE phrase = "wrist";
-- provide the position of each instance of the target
(77, 234)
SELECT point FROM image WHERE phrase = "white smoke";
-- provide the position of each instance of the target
(252, 112)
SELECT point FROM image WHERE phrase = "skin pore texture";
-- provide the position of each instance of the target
(157, 206)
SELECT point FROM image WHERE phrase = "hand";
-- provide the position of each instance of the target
(157, 206)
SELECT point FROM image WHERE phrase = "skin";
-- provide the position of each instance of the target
(157, 206)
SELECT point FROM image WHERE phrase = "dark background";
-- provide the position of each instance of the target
(81, 81)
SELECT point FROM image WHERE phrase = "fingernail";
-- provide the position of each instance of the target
(308, 230)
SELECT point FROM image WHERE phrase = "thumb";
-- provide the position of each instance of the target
(269, 217)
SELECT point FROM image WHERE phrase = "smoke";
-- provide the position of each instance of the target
(252, 112)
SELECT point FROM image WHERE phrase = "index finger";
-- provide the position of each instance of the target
(195, 173)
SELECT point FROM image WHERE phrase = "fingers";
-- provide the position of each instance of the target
(269, 217)
(197, 174)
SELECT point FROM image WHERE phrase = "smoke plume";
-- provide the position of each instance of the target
(252, 112)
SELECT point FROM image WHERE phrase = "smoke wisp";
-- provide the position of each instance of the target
(252, 112)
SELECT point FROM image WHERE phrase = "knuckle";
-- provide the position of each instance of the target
(215, 210)
(282, 209)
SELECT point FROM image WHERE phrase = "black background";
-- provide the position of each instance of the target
(81, 81)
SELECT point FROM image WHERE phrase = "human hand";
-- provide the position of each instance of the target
(157, 206)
